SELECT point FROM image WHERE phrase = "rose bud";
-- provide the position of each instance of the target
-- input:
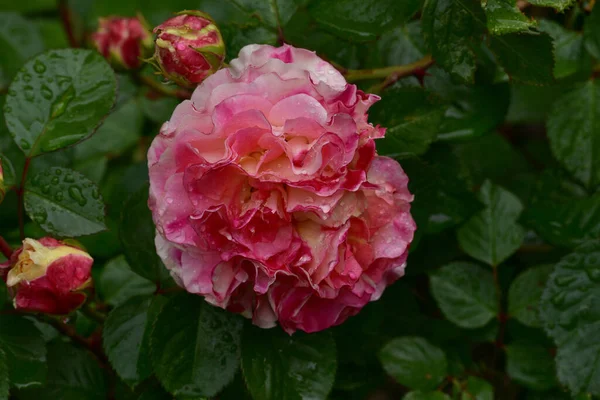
(189, 47)
(2, 187)
(269, 197)
(48, 275)
(124, 42)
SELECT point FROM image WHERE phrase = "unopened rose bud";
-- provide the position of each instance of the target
(188, 48)
(48, 275)
(2, 187)
(124, 42)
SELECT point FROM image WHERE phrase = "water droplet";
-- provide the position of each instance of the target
(69, 178)
(60, 105)
(28, 92)
(75, 193)
(46, 92)
(564, 280)
(593, 274)
(63, 81)
(40, 216)
(593, 260)
(565, 300)
(571, 261)
(568, 321)
(27, 77)
(46, 189)
(39, 67)
(95, 193)
(12, 92)
(7, 110)
(24, 144)
(55, 181)
(169, 200)
(58, 171)
(58, 196)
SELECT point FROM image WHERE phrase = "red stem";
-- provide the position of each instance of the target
(20, 193)
(65, 17)
(92, 345)
(5, 248)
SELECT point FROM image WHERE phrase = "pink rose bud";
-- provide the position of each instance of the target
(124, 42)
(188, 48)
(269, 197)
(48, 275)
(2, 187)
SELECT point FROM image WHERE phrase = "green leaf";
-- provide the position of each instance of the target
(559, 5)
(19, 40)
(277, 366)
(158, 110)
(561, 212)
(414, 362)
(126, 337)
(402, 45)
(570, 312)
(492, 235)
(4, 383)
(412, 122)
(73, 374)
(58, 98)
(119, 132)
(29, 6)
(526, 57)
(137, 233)
(591, 32)
(442, 199)
(418, 395)
(465, 293)
(490, 156)
(273, 13)
(569, 52)
(195, 347)
(474, 111)
(362, 20)
(452, 30)
(574, 132)
(117, 283)
(53, 33)
(525, 293)
(327, 45)
(25, 351)
(64, 203)
(503, 16)
(530, 365)
(477, 389)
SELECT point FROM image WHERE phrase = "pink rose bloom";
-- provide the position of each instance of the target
(122, 41)
(269, 198)
(47, 276)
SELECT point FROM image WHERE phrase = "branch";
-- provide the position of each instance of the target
(65, 17)
(5, 248)
(397, 71)
(71, 333)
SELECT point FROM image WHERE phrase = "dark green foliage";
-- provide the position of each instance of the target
(497, 125)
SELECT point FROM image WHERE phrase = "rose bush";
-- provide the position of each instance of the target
(174, 182)
(269, 197)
